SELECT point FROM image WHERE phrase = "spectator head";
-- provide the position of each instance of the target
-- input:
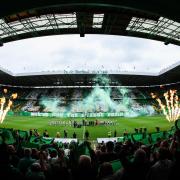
(164, 143)
(27, 152)
(140, 156)
(34, 154)
(35, 167)
(98, 153)
(60, 153)
(43, 155)
(53, 153)
(65, 145)
(103, 148)
(11, 149)
(105, 170)
(117, 147)
(144, 147)
(109, 146)
(163, 153)
(84, 161)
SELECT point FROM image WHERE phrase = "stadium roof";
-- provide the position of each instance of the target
(155, 19)
(84, 78)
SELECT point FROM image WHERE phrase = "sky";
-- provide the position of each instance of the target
(92, 52)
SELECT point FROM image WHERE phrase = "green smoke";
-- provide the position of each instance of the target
(100, 100)
(97, 100)
(50, 104)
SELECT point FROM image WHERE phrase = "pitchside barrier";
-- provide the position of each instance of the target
(48, 140)
(65, 140)
(74, 115)
(113, 139)
(64, 115)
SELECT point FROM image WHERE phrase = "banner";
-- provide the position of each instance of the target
(66, 114)
(81, 115)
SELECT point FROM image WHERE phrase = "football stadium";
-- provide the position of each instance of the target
(90, 124)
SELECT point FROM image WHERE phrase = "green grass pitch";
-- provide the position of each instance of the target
(41, 123)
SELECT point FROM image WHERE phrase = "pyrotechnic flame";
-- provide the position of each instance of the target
(14, 96)
(153, 95)
(5, 91)
(2, 100)
(4, 110)
(172, 108)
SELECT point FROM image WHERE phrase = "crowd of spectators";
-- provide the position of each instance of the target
(152, 161)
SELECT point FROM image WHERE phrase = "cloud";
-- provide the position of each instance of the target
(91, 52)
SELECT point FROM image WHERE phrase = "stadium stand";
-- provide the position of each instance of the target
(30, 99)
